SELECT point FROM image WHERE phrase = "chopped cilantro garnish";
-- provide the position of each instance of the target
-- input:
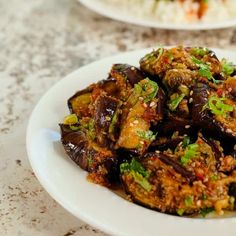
(90, 160)
(141, 180)
(186, 141)
(204, 70)
(227, 67)
(191, 152)
(138, 172)
(114, 121)
(188, 201)
(199, 51)
(214, 177)
(180, 212)
(147, 89)
(174, 103)
(91, 130)
(74, 127)
(160, 52)
(147, 135)
(135, 166)
(217, 106)
(206, 211)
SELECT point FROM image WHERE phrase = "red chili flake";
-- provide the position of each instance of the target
(219, 92)
(166, 60)
(200, 174)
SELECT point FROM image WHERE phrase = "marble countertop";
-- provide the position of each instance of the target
(40, 42)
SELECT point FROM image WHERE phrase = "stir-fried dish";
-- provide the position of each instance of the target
(165, 132)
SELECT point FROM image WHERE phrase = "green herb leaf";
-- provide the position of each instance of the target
(138, 172)
(214, 177)
(180, 212)
(74, 127)
(91, 130)
(199, 51)
(186, 141)
(204, 70)
(174, 103)
(204, 197)
(217, 106)
(90, 160)
(135, 166)
(227, 67)
(191, 152)
(206, 211)
(147, 135)
(141, 180)
(124, 167)
(150, 89)
(188, 201)
(114, 121)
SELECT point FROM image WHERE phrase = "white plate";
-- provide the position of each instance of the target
(67, 183)
(106, 10)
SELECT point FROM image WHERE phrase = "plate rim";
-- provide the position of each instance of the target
(82, 215)
(94, 6)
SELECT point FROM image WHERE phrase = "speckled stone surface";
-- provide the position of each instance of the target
(40, 42)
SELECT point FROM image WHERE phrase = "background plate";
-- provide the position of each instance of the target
(108, 11)
(67, 183)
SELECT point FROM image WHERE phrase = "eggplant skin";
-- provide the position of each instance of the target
(165, 182)
(79, 102)
(105, 108)
(130, 73)
(176, 123)
(88, 155)
(202, 118)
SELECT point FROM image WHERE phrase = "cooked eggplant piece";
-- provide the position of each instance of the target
(105, 117)
(128, 73)
(158, 62)
(188, 175)
(160, 109)
(215, 148)
(139, 112)
(158, 182)
(232, 191)
(177, 77)
(175, 123)
(211, 113)
(230, 86)
(88, 155)
(79, 103)
(163, 143)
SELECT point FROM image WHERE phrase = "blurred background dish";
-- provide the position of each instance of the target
(169, 14)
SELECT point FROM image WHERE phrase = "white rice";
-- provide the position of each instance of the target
(176, 12)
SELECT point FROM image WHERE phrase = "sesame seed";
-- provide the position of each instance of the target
(135, 122)
(131, 124)
(191, 93)
(108, 118)
(187, 126)
(228, 130)
(152, 104)
(132, 68)
(157, 151)
(190, 100)
(199, 203)
(145, 105)
(141, 142)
